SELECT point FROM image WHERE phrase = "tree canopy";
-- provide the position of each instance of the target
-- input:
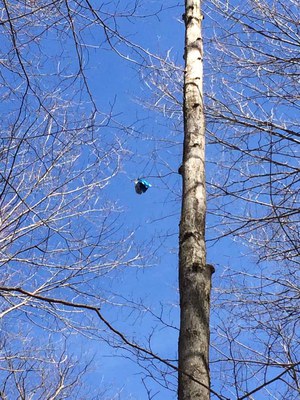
(92, 100)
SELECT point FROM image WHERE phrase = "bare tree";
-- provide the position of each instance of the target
(252, 93)
(60, 150)
(59, 231)
(194, 273)
(253, 115)
(252, 120)
(30, 371)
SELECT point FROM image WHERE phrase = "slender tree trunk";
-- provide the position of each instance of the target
(194, 274)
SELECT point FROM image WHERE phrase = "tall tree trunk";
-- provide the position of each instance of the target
(194, 274)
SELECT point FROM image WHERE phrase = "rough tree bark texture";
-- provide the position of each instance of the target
(194, 274)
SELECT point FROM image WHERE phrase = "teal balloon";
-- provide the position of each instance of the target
(141, 186)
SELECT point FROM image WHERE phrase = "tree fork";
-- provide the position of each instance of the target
(194, 273)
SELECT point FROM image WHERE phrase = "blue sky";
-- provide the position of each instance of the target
(138, 299)
(153, 146)
(154, 216)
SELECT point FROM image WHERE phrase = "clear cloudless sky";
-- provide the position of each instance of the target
(136, 297)
(153, 216)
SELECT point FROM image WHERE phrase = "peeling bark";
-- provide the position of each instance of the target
(194, 273)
